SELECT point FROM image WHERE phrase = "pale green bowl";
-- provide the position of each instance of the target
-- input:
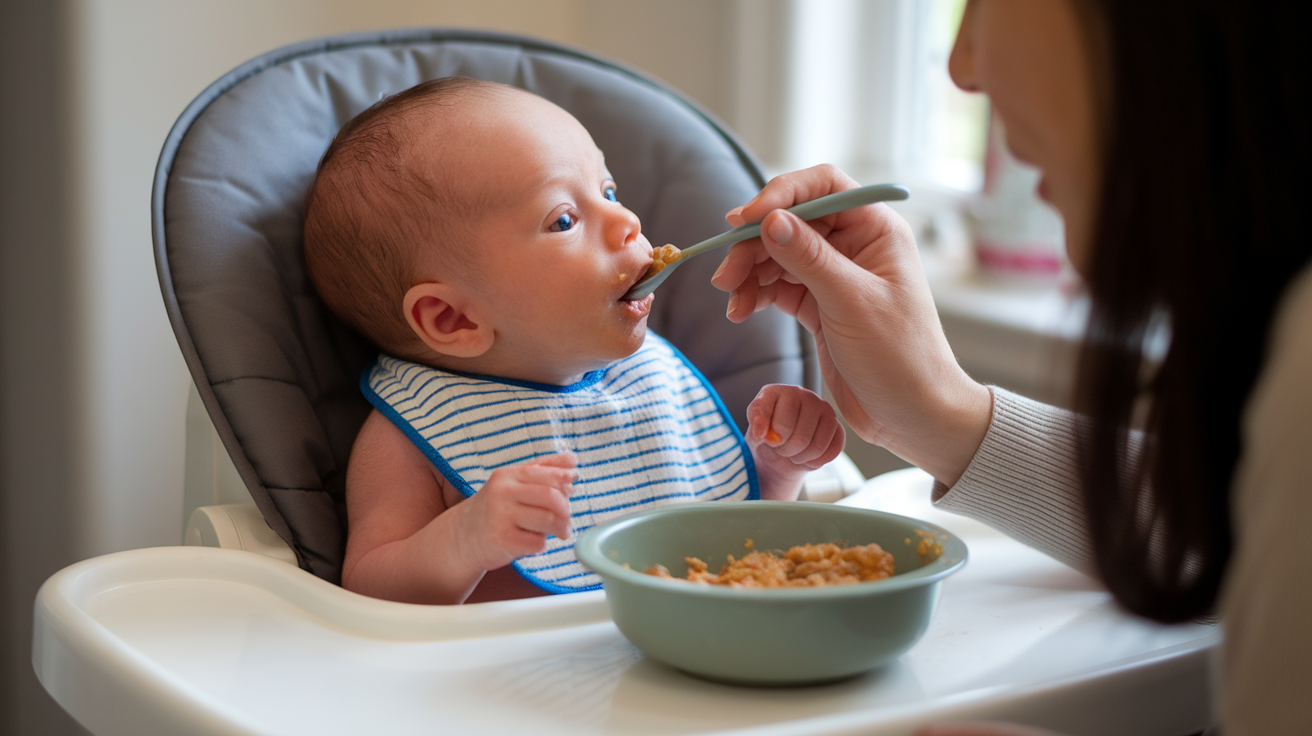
(793, 636)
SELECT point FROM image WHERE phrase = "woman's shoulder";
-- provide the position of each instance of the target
(1294, 320)
(1278, 418)
(1266, 671)
(1286, 378)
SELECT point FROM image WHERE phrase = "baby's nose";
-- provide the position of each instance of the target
(625, 227)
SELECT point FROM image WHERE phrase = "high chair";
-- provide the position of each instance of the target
(212, 639)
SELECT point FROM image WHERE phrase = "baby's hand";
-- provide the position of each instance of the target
(791, 431)
(516, 509)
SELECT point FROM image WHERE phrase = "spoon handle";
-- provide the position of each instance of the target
(826, 205)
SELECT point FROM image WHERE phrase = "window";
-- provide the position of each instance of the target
(862, 84)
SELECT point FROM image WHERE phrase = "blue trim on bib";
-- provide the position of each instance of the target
(395, 418)
(755, 494)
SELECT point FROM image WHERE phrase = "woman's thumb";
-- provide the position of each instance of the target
(796, 247)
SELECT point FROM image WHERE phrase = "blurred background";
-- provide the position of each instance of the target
(93, 389)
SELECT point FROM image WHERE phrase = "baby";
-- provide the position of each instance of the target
(472, 232)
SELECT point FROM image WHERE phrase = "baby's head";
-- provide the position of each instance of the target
(474, 226)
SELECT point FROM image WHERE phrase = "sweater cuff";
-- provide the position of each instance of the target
(1024, 482)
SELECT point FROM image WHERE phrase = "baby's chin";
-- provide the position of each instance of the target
(632, 341)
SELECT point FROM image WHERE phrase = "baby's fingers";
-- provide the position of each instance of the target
(827, 437)
(556, 474)
(558, 460)
(797, 424)
(760, 414)
(779, 417)
(542, 521)
(825, 446)
(543, 508)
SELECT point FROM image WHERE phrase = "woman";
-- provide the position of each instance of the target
(1172, 137)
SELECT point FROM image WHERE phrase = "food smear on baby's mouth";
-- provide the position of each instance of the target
(801, 566)
(660, 258)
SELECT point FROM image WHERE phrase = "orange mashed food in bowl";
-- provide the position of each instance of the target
(801, 566)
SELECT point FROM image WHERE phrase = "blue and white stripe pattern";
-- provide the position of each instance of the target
(648, 430)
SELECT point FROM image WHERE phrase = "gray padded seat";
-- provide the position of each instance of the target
(278, 373)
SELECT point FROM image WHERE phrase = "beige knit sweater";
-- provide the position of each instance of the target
(1023, 481)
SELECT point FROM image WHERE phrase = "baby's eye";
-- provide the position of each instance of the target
(562, 223)
(609, 193)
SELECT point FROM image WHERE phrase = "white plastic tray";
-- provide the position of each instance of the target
(204, 641)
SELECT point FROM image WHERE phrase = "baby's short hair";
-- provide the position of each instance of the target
(368, 210)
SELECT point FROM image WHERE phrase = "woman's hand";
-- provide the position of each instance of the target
(854, 280)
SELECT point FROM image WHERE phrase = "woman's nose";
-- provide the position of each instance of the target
(961, 63)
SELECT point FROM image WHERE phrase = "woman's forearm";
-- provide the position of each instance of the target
(1024, 480)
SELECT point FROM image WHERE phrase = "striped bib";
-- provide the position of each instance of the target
(647, 431)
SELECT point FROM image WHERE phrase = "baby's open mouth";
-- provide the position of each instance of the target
(630, 278)
(636, 307)
(660, 258)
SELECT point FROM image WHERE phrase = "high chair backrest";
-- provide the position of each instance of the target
(277, 372)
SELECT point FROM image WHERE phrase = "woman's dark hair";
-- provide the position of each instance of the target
(1201, 226)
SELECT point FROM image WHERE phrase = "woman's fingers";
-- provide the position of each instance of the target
(801, 251)
(781, 192)
(747, 262)
(793, 188)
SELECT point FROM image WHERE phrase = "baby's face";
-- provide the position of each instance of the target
(556, 250)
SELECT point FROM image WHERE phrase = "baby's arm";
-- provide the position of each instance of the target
(791, 431)
(410, 542)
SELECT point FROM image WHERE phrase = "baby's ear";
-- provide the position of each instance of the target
(440, 315)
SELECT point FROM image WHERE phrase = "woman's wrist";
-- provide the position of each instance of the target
(946, 440)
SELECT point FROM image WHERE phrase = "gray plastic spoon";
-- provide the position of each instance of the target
(826, 205)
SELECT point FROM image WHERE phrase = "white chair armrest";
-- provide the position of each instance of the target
(835, 480)
(236, 526)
